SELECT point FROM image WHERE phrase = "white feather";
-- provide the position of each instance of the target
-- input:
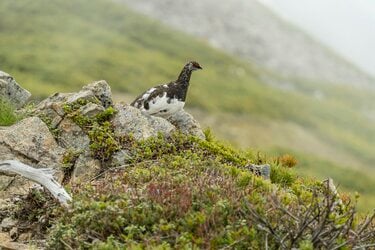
(159, 106)
(148, 93)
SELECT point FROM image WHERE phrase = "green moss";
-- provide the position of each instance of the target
(106, 115)
(103, 142)
(74, 106)
(48, 121)
(68, 161)
(70, 157)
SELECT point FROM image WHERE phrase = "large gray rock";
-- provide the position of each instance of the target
(94, 98)
(99, 92)
(97, 95)
(186, 123)
(30, 142)
(12, 91)
(130, 121)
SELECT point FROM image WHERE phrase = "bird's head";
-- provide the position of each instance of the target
(193, 65)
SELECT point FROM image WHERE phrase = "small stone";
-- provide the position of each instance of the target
(7, 224)
(120, 158)
(86, 167)
(260, 170)
(56, 121)
(6, 243)
(6, 204)
(58, 109)
(91, 110)
(82, 95)
(102, 91)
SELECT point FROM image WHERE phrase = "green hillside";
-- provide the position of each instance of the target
(51, 46)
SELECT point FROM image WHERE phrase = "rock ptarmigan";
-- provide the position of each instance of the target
(166, 99)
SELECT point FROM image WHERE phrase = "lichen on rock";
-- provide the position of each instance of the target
(186, 123)
(130, 121)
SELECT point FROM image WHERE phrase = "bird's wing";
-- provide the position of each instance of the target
(150, 94)
(141, 98)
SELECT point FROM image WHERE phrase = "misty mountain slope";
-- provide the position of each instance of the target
(59, 46)
(250, 30)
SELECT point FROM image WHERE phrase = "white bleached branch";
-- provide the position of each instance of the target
(43, 176)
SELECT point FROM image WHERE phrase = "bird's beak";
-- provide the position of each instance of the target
(199, 67)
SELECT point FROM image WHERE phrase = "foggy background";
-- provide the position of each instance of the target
(347, 26)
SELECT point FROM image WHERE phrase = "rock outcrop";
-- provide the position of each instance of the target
(57, 133)
(130, 120)
(12, 91)
(92, 99)
(68, 131)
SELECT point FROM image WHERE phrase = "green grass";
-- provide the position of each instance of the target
(346, 178)
(51, 46)
(7, 115)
